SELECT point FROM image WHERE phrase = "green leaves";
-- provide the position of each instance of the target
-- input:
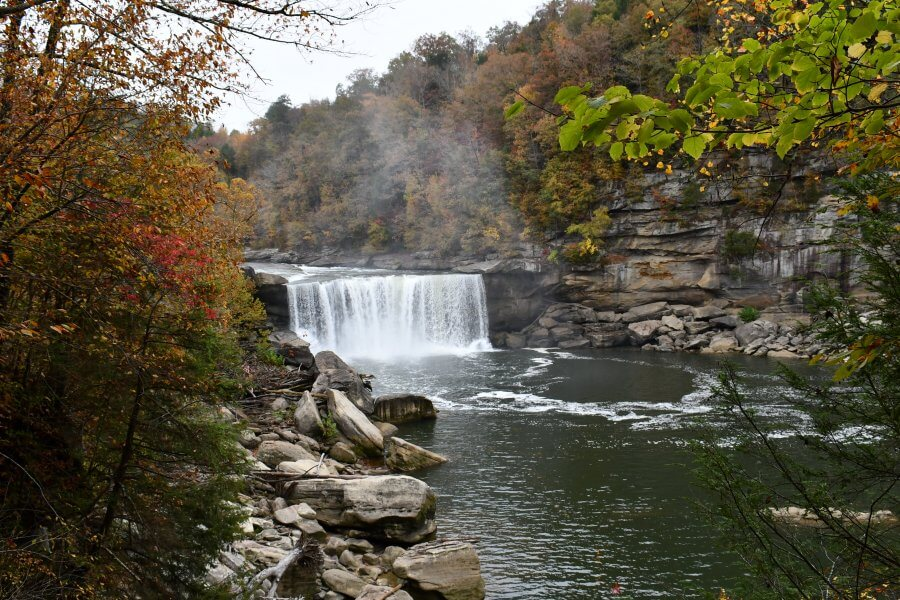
(570, 135)
(514, 109)
(831, 58)
(694, 146)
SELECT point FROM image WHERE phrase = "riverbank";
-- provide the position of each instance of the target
(664, 327)
(331, 512)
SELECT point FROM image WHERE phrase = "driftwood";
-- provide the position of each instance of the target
(306, 551)
(389, 593)
(275, 573)
(284, 476)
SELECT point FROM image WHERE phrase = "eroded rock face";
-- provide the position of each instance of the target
(405, 457)
(335, 374)
(354, 424)
(292, 349)
(387, 507)
(446, 570)
(403, 408)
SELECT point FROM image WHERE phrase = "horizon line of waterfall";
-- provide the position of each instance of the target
(392, 315)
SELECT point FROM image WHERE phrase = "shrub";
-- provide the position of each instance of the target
(748, 314)
(329, 428)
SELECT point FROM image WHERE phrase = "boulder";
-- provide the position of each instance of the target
(387, 507)
(750, 332)
(681, 310)
(673, 322)
(343, 582)
(335, 374)
(515, 340)
(608, 316)
(380, 592)
(306, 416)
(403, 408)
(305, 467)
(642, 332)
(405, 457)
(293, 349)
(249, 439)
(387, 430)
(258, 553)
(723, 343)
(274, 452)
(218, 574)
(574, 343)
(606, 335)
(342, 452)
(311, 529)
(726, 322)
(354, 424)
(705, 313)
(696, 327)
(445, 570)
(696, 344)
(646, 312)
(782, 354)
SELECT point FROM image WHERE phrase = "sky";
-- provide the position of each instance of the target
(374, 40)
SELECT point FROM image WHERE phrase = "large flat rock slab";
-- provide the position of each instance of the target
(387, 507)
(443, 570)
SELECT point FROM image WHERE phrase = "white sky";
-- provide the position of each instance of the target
(375, 40)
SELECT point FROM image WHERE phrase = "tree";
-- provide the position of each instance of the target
(821, 73)
(120, 297)
(815, 514)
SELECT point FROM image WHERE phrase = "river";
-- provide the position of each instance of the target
(571, 470)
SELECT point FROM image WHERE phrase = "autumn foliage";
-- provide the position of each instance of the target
(121, 302)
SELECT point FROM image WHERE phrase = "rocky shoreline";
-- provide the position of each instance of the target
(663, 327)
(330, 511)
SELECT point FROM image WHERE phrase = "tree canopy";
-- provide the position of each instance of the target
(121, 303)
(819, 73)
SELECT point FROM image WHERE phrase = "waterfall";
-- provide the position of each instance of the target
(392, 315)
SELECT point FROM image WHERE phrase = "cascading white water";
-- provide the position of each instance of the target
(392, 315)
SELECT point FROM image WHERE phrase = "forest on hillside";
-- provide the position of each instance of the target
(420, 157)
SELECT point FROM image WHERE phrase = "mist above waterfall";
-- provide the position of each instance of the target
(394, 315)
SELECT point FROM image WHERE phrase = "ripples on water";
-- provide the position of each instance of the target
(570, 468)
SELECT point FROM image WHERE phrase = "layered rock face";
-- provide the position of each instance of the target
(662, 327)
(677, 238)
(674, 243)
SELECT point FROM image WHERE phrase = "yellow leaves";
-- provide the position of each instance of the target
(876, 92)
(844, 210)
(856, 50)
(872, 203)
(668, 169)
(884, 37)
(8, 206)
